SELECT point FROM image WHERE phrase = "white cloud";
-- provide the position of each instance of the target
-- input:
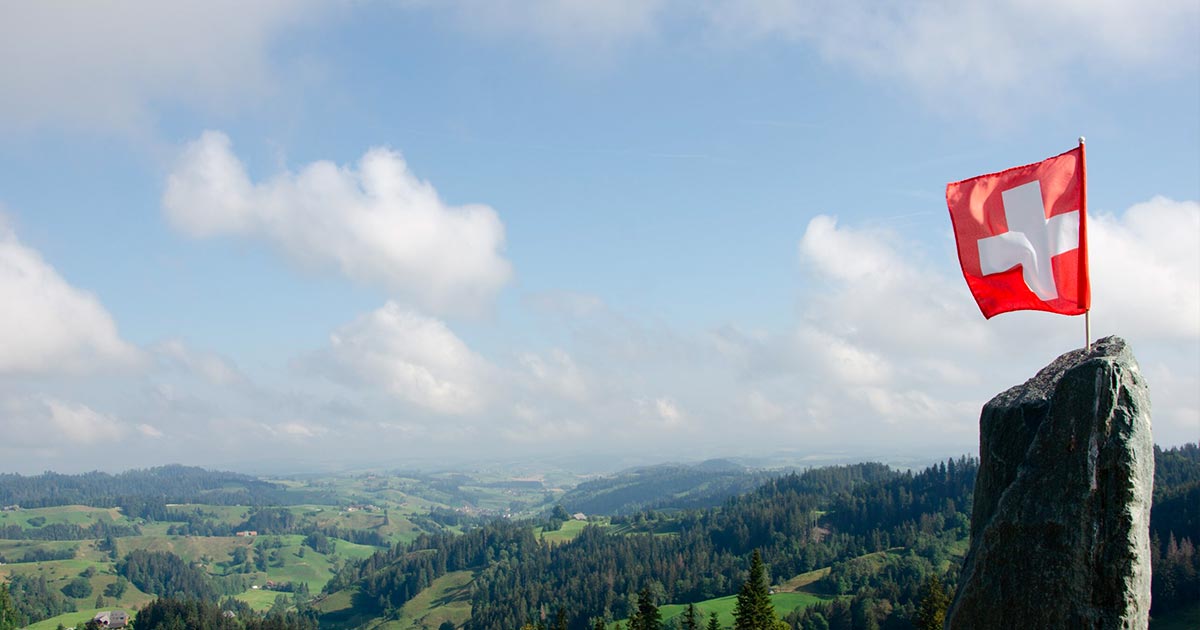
(149, 431)
(669, 411)
(663, 410)
(556, 374)
(376, 223)
(1145, 269)
(47, 325)
(990, 58)
(846, 362)
(50, 423)
(892, 337)
(208, 366)
(100, 65)
(412, 357)
(594, 27)
(873, 292)
(295, 430)
(975, 54)
(82, 424)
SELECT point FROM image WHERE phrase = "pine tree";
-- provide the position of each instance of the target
(599, 624)
(647, 617)
(8, 611)
(932, 613)
(713, 622)
(691, 621)
(560, 620)
(754, 610)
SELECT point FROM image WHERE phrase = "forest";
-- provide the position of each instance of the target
(863, 547)
(798, 523)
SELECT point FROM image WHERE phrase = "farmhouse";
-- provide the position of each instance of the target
(112, 618)
(248, 532)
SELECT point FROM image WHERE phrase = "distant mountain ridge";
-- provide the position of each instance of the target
(665, 486)
(162, 484)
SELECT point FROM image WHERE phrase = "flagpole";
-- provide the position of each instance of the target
(1087, 313)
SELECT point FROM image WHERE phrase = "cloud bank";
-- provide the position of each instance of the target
(103, 66)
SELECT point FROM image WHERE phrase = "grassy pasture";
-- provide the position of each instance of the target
(64, 514)
(69, 620)
(803, 581)
(208, 550)
(13, 549)
(784, 603)
(447, 599)
(228, 514)
(568, 532)
(261, 599)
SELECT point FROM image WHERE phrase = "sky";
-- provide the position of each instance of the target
(298, 236)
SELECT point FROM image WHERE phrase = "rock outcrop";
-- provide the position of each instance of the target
(1060, 524)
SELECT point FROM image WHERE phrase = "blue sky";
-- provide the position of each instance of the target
(305, 234)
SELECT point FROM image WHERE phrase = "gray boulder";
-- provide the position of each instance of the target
(1060, 524)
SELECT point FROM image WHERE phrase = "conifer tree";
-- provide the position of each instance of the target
(691, 620)
(932, 613)
(754, 610)
(713, 622)
(647, 617)
(8, 611)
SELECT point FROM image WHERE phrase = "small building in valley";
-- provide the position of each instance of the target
(112, 618)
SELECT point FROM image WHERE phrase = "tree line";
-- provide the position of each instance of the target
(797, 522)
(142, 493)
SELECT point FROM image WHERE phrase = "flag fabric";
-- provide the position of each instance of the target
(1022, 236)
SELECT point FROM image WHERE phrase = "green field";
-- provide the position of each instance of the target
(447, 599)
(568, 531)
(67, 514)
(784, 603)
(75, 619)
(261, 599)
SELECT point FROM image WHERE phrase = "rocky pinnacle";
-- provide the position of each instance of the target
(1060, 523)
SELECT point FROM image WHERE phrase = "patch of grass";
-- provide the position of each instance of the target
(341, 600)
(261, 599)
(784, 603)
(75, 619)
(447, 599)
(804, 580)
(338, 612)
(65, 514)
(228, 514)
(568, 532)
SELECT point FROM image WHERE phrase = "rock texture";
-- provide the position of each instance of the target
(1059, 528)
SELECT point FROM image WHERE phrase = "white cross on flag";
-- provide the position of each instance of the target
(1022, 236)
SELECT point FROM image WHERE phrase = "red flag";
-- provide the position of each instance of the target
(1022, 236)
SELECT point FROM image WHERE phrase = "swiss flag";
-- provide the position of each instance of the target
(1022, 236)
